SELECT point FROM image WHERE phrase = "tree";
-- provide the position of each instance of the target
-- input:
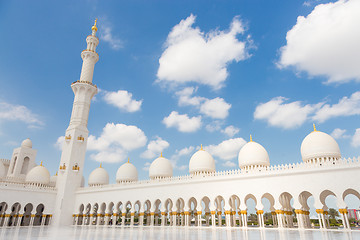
(333, 213)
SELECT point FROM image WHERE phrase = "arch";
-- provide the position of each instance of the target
(157, 212)
(219, 205)
(39, 214)
(15, 208)
(25, 221)
(80, 216)
(95, 214)
(101, 214)
(147, 209)
(268, 217)
(285, 200)
(251, 203)
(324, 194)
(118, 211)
(25, 165)
(3, 208)
(350, 191)
(192, 205)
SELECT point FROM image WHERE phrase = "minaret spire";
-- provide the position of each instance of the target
(74, 147)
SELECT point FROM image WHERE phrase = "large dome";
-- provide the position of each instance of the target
(160, 168)
(319, 145)
(201, 162)
(38, 175)
(2, 170)
(98, 177)
(253, 154)
(26, 143)
(126, 173)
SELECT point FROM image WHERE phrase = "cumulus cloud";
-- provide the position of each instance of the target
(114, 143)
(226, 150)
(230, 131)
(229, 164)
(123, 100)
(214, 126)
(106, 35)
(59, 142)
(345, 107)
(191, 55)
(326, 42)
(182, 122)
(216, 108)
(339, 133)
(12, 112)
(178, 155)
(355, 141)
(155, 147)
(285, 115)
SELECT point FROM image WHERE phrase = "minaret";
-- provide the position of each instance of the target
(76, 135)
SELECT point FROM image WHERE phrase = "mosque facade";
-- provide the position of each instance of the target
(29, 196)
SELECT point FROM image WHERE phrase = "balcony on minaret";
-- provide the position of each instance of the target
(68, 138)
(76, 168)
(80, 139)
(62, 168)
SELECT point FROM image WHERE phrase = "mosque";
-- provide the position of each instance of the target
(29, 196)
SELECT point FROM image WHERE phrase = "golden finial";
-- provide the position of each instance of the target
(100, 165)
(250, 138)
(161, 155)
(56, 173)
(201, 147)
(41, 163)
(314, 127)
(94, 28)
(128, 160)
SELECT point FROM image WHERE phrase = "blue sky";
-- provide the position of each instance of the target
(174, 75)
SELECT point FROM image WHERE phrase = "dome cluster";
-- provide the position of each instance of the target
(316, 147)
(38, 175)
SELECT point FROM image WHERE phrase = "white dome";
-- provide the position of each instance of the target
(126, 173)
(26, 143)
(98, 177)
(319, 144)
(38, 175)
(201, 161)
(2, 170)
(160, 168)
(253, 154)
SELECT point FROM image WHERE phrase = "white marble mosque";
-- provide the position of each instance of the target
(29, 196)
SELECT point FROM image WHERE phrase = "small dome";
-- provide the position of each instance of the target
(53, 178)
(38, 175)
(160, 168)
(26, 143)
(2, 170)
(201, 162)
(98, 177)
(253, 154)
(126, 173)
(319, 144)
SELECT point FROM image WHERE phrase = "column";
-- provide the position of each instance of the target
(326, 213)
(319, 212)
(152, 218)
(132, 217)
(163, 219)
(187, 218)
(50, 219)
(6, 220)
(74, 219)
(344, 217)
(233, 217)
(279, 214)
(227, 219)
(213, 220)
(244, 218)
(219, 219)
(18, 222)
(141, 219)
(44, 219)
(299, 218)
(174, 217)
(32, 220)
(199, 219)
(183, 219)
(260, 214)
(274, 218)
(123, 215)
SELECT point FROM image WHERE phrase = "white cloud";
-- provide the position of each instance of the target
(226, 150)
(155, 147)
(106, 35)
(193, 56)
(59, 142)
(230, 131)
(182, 122)
(345, 107)
(215, 108)
(146, 166)
(284, 115)
(339, 133)
(177, 156)
(214, 126)
(355, 141)
(114, 143)
(11, 112)
(326, 42)
(229, 164)
(123, 100)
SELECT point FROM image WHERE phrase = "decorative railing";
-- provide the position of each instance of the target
(6, 161)
(10, 184)
(90, 83)
(276, 169)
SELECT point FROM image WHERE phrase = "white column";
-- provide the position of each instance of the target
(44, 219)
(163, 219)
(32, 220)
(141, 219)
(279, 214)
(152, 218)
(123, 215)
(213, 220)
(227, 219)
(199, 219)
